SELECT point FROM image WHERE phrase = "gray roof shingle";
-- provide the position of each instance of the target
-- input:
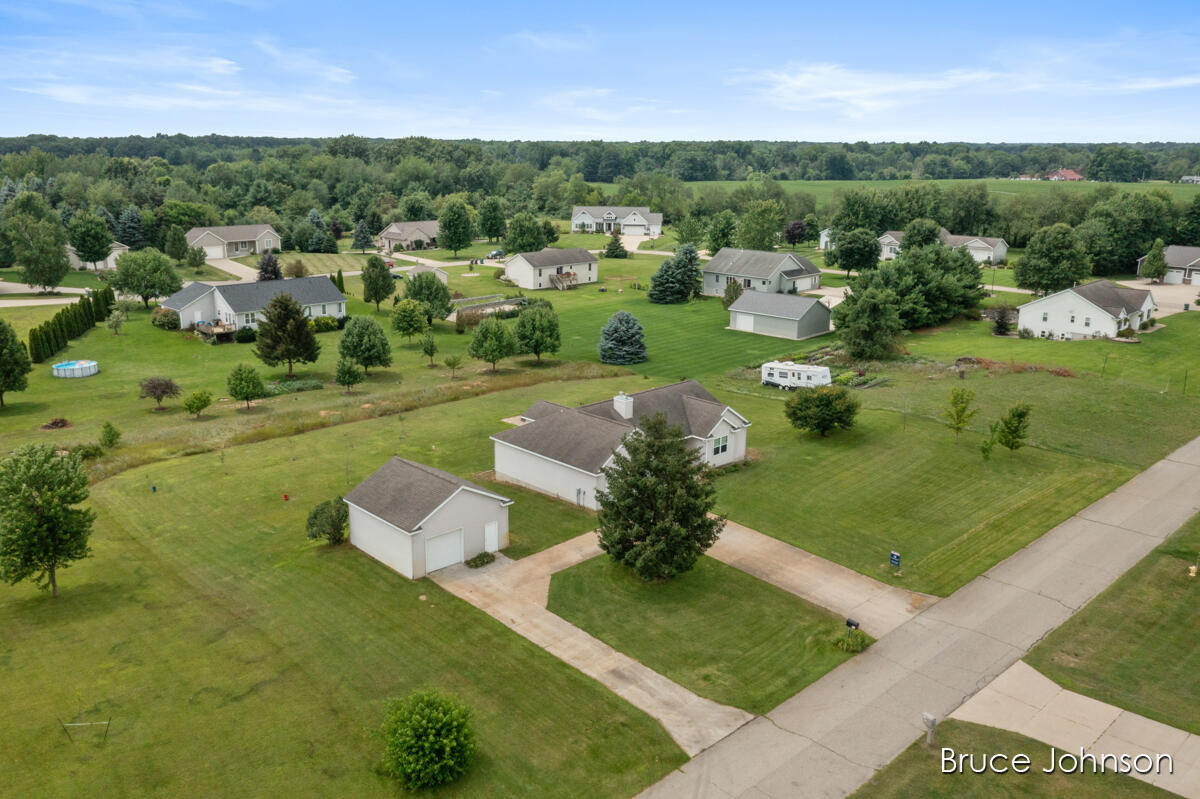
(229, 232)
(950, 239)
(186, 296)
(686, 404)
(785, 306)
(1111, 297)
(409, 231)
(1178, 256)
(254, 296)
(403, 492)
(619, 211)
(568, 436)
(554, 256)
(542, 408)
(755, 263)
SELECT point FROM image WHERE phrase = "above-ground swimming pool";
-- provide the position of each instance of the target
(76, 368)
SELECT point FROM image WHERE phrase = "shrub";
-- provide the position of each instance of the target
(164, 318)
(110, 436)
(822, 409)
(1025, 333)
(482, 559)
(295, 268)
(325, 324)
(158, 389)
(87, 451)
(1127, 332)
(329, 520)
(853, 641)
(428, 740)
(1149, 323)
(341, 321)
(245, 335)
(197, 401)
(498, 274)
(293, 386)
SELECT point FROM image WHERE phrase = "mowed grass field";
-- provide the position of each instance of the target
(917, 772)
(1135, 645)
(319, 263)
(715, 630)
(235, 657)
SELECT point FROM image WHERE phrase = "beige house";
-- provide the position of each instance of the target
(552, 268)
(630, 220)
(408, 236)
(984, 249)
(108, 263)
(233, 241)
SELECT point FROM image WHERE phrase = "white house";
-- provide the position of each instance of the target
(632, 220)
(788, 375)
(781, 315)
(233, 241)
(759, 271)
(408, 235)
(237, 305)
(562, 451)
(1093, 310)
(552, 268)
(417, 519)
(984, 249)
(1183, 264)
(825, 239)
(108, 263)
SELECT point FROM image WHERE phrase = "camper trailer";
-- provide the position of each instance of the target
(788, 375)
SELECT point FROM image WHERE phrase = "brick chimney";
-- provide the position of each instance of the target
(623, 405)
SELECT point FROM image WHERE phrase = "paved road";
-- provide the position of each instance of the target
(1025, 701)
(831, 737)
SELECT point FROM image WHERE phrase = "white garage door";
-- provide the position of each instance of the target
(214, 251)
(444, 550)
(743, 321)
(634, 230)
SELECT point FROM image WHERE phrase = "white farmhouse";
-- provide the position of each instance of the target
(1093, 310)
(630, 220)
(758, 270)
(984, 249)
(789, 375)
(233, 241)
(110, 262)
(235, 305)
(552, 268)
(562, 451)
(418, 519)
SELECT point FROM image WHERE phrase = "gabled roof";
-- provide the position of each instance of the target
(404, 493)
(186, 296)
(618, 211)
(254, 296)
(554, 256)
(577, 439)
(1065, 174)
(1178, 256)
(753, 263)
(686, 404)
(409, 231)
(806, 267)
(229, 232)
(543, 408)
(784, 306)
(1113, 298)
(950, 239)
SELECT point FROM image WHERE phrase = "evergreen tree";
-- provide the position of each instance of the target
(408, 318)
(454, 226)
(614, 248)
(176, 244)
(41, 531)
(314, 218)
(428, 289)
(378, 283)
(35, 346)
(1155, 265)
(245, 384)
(268, 267)
(90, 237)
(733, 290)
(492, 342)
(341, 282)
(537, 331)
(365, 343)
(285, 336)
(129, 228)
(491, 218)
(15, 363)
(1013, 428)
(868, 323)
(195, 258)
(362, 237)
(655, 513)
(622, 341)
(679, 278)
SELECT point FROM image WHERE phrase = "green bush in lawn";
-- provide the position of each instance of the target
(197, 401)
(853, 641)
(164, 318)
(822, 409)
(329, 520)
(325, 324)
(429, 740)
(110, 436)
(245, 335)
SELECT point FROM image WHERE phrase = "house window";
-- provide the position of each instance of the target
(1045, 316)
(249, 319)
(308, 310)
(746, 282)
(1072, 318)
(323, 311)
(1087, 321)
(720, 445)
(270, 244)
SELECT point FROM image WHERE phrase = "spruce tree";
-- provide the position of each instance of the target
(15, 364)
(622, 341)
(362, 236)
(129, 228)
(285, 336)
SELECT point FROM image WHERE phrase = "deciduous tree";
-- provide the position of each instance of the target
(491, 218)
(364, 342)
(733, 290)
(176, 244)
(409, 319)
(454, 226)
(759, 227)
(525, 234)
(377, 280)
(329, 520)
(794, 233)
(147, 274)
(959, 412)
(245, 384)
(722, 229)
(822, 409)
(38, 250)
(453, 363)
(537, 331)
(90, 237)
(429, 346)
(197, 401)
(655, 512)
(158, 389)
(1053, 261)
(348, 374)
(492, 341)
(854, 250)
(1155, 265)
(428, 289)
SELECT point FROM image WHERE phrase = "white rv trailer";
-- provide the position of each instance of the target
(788, 375)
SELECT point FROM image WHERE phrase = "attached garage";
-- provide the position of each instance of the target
(417, 519)
(214, 250)
(634, 230)
(781, 315)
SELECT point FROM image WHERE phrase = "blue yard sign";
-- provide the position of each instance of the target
(896, 559)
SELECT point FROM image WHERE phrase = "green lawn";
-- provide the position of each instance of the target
(716, 630)
(76, 278)
(480, 248)
(237, 658)
(318, 263)
(1135, 644)
(917, 772)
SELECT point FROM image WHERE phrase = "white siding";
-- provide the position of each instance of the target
(520, 272)
(736, 443)
(1066, 312)
(546, 476)
(200, 310)
(470, 512)
(387, 544)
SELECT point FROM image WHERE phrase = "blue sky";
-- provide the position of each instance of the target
(1016, 71)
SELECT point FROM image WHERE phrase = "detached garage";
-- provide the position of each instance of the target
(418, 519)
(781, 315)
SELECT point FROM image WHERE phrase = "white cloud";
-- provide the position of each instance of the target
(304, 61)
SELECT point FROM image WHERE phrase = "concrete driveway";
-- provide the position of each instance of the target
(233, 268)
(1170, 299)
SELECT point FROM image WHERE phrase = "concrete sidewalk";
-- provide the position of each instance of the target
(515, 593)
(878, 607)
(1025, 701)
(831, 737)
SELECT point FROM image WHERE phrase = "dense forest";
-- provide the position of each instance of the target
(143, 188)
